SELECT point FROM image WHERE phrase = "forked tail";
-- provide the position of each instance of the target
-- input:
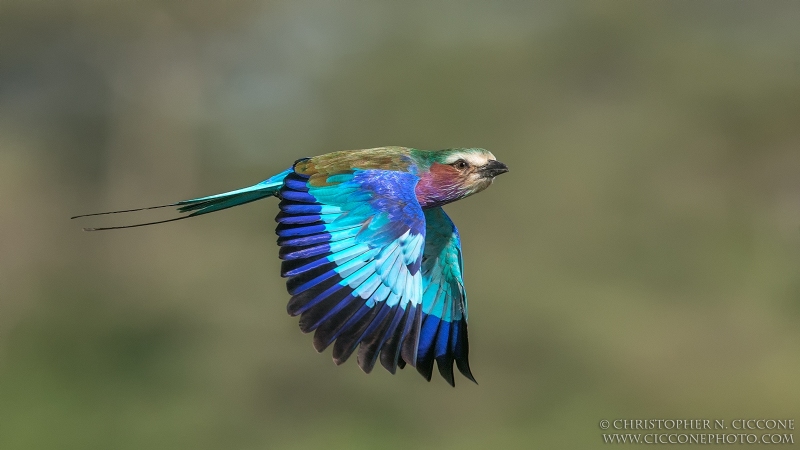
(205, 205)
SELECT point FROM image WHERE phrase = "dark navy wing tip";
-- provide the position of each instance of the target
(445, 365)
(463, 367)
(425, 368)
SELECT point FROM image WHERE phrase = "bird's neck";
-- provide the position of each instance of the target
(438, 186)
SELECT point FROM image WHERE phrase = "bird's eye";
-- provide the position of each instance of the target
(461, 164)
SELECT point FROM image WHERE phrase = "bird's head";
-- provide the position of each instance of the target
(453, 174)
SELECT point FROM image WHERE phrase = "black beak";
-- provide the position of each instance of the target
(492, 169)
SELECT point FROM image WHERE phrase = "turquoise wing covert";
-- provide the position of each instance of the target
(443, 332)
(352, 244)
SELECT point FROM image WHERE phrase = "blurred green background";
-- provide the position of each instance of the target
(641, 260)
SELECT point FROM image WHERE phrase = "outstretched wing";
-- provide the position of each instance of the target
(443, 334)
(352, 247)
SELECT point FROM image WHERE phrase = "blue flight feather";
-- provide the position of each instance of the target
(372, 209)
(443, 335)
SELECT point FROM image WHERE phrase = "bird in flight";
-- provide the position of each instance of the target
(372, 261)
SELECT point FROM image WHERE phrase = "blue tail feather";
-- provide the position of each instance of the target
(217, 202)
(209, 204)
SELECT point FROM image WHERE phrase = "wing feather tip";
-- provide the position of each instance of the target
(463, 367)
(319, 344)
(446, 370)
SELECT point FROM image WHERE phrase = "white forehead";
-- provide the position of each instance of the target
(473, 157)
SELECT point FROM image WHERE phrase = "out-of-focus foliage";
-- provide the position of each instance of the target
(641, 260)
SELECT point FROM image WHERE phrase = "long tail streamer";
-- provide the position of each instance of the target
(205, 205)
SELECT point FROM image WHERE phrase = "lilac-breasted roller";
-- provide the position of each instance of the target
(372, 261)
